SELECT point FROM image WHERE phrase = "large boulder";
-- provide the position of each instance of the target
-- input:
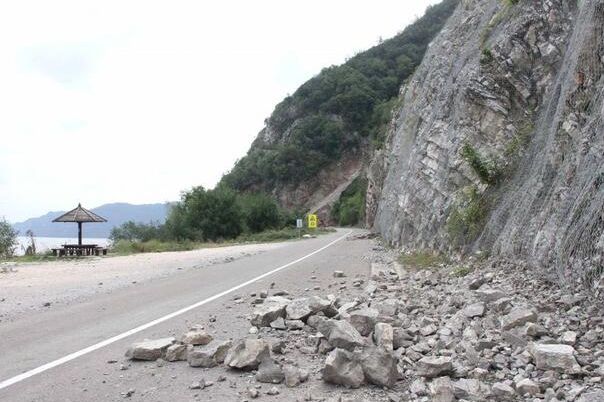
(363, 320)
(379, 367)
(555, 357)
(209, 355)
(431, 366)
(247, 354)
(298, 309)
(341, 334)
(149, 349)
(474, 310)
(342, 368)
(267, 312)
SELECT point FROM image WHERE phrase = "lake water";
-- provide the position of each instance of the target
(46, 243)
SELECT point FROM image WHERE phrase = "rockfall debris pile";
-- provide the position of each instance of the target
(490, 331)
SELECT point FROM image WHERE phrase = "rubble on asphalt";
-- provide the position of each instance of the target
(496, 331)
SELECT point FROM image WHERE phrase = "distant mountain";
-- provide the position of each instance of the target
(116, 214)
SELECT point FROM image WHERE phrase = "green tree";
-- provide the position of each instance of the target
(8, 239)
(260, 212)
(207, 215)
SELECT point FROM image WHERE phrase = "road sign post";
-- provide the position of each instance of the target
(299, 225)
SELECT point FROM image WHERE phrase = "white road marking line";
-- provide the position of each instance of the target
(96, 346)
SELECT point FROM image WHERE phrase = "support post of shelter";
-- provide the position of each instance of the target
(79, 233)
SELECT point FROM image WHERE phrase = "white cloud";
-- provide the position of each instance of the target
(138, 100)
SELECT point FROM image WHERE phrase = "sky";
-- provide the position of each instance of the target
(136, 101)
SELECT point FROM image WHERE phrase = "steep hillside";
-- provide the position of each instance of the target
(115, 213)
(499, 143)
(317, 138)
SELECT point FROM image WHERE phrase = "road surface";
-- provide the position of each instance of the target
(75, 352)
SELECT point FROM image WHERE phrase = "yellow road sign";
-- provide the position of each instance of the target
(312, 221)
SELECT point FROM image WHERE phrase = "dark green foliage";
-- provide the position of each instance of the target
(8, 239)
(208, 215)
(486, 57)
(349, 210)
(487, 169)
(467, 217)
(133, 231)
(337, 110)
(260, 212)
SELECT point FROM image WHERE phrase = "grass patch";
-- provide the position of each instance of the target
(461, 271)
(42, 257)
(422, 259)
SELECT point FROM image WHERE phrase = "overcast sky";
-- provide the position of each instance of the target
(135, 101)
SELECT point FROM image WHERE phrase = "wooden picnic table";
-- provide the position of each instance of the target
(79, 250)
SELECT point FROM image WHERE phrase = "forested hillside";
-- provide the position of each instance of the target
(342, 110)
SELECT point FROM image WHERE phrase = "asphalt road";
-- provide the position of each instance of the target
(37, 339)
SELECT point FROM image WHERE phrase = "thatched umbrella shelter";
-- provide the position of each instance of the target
(80, 215)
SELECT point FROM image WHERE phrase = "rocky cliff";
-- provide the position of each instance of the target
(498, 145)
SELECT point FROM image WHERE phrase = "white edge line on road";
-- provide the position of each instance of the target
(96, 346)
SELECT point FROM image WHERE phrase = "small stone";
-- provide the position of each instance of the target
(273, 391)
(253, 393)
(196, 336)
(442, 390)
(338, 274)
(569, 338)
(363, 320)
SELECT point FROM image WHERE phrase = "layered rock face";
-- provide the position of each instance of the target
(520, 87)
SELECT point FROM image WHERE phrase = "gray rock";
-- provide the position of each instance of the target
(489, 295)
(338, 274)
(279, 323)
(384, 336)
(527, 387)
(267, 312)
(298, 309)
(341, 334)
(294, 324)
(149, 349)
(503, 391)
(469, 389)
(196, 336)
(592, 396)
(431, 366)
(555, 357)
(363, 320)
(209, 355)
(441, 390)
(292, 376)
(247, 354)
(475, 310)
(569, 338)
(401, 338)
(343, 369)
(379, 367)
(269, 372)
(518, 317)
(176, 352)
